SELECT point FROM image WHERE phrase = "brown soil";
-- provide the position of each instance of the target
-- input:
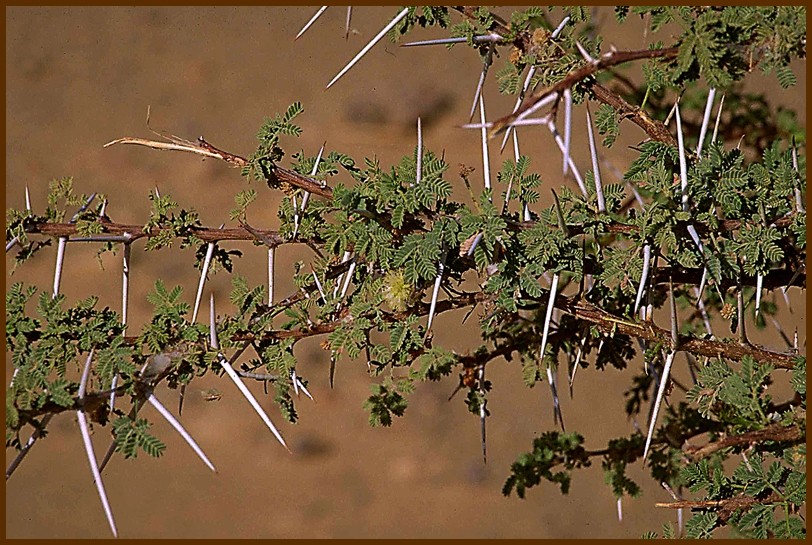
(79, 77)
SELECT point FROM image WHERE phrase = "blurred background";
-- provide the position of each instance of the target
(77, 78)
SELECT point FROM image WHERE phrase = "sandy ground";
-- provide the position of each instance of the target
(77, 78)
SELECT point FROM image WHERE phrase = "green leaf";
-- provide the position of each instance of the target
(383, 403)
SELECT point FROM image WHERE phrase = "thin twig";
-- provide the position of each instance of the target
(30, 443)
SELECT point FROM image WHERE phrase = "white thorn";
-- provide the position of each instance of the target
(587, 57)
(180, 429)
(28, 200)
(302, 388)
(620, 509)
(250, 398)
(306, 196)
(577, 361)
(125, 283)
(347, 279)
(347, 25)
(113, 385)
(474, 244)
(419, 164)
(435, 292)
(705, 120)
(549, 315)
(596, 168)
(340, 276)
(530, 73)
(759, 283)
(556, 402)
(271, 252)
(560, 27)
(60, 258)
(515, 123)
(663, 382)
(683, 167)
(575, 171)
(482, 412)
(311, 21)
(478, 93)
(319, 286)
(718, 117)
(10, 244)
(703, 311)
(367, 47)
(91, 456)
(202, 282)
(83, 427)
(643, 277)
(799, 202)
(295, 382)
(535, 107)
(316, 163)
(83, 208)
(567, 127)
(212, 324)
(295, 213)
(492, 37)
(486, 167)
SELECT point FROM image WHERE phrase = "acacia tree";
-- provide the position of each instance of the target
(691, 234)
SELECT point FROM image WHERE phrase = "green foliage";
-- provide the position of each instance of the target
(550, 450)
(268, 152)
(778, 489)
(606, 121)
(384, 402)
(169, 226)
(131, 435)
(736, 396)
(403, 235)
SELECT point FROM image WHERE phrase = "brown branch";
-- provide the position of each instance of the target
(420, 309)
(615, 227)
(207, 234)
(579, 308)
(652, 127)
(499, 25)
(727, 507)
(773, 432)
(280, 174)
(658, 131)
(609, 323)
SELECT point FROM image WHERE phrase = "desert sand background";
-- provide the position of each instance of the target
(77, 78)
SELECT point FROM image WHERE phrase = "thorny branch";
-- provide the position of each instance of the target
(655, 129)
(773, 432)
(772, 280)
(725, 508)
